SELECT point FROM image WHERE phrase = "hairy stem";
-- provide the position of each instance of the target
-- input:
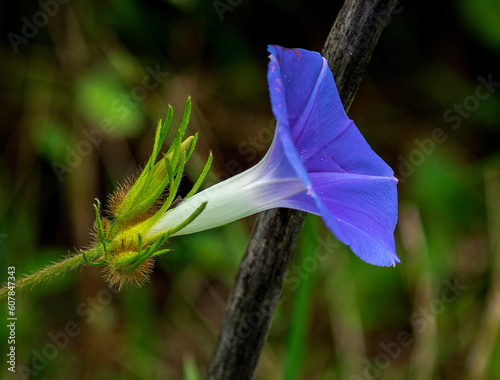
(49, 272)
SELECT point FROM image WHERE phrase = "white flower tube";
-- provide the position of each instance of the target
(247, 193)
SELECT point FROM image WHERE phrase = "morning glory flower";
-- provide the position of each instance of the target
(318, 162)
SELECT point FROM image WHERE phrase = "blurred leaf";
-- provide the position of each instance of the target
(50, 139)
(450, 196)
(212, 250)
(482, 16)
(190, 369)
(447, 189)
(302, 310)
(141, 336)
(244, 79)
(436, 80)
(489, 112)
(106, 103)
(183, 4)
(124, 64)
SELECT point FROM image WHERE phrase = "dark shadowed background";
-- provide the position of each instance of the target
(83, 84)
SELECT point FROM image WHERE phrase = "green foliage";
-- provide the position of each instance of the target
(190, 370)
(481, 17)
(301, 310)
(104, 101)
(82, 68)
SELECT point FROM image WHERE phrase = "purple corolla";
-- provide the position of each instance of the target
(318, 162)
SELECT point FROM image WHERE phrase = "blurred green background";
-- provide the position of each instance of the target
(82, 91)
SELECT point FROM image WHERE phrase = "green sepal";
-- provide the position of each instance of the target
(100, 232)
(201, 178)
(154, 179)
(131, 263)
(88, 262)
(192, 217)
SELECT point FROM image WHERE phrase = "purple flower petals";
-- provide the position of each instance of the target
(347, 183)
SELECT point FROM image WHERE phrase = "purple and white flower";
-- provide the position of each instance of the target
(318, 162)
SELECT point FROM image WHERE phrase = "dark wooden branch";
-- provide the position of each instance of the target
(254, 295)
(263, 267)
(351, 42)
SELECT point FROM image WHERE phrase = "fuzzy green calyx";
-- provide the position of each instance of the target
(126, 256)
(135, 263)
(121, 247)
